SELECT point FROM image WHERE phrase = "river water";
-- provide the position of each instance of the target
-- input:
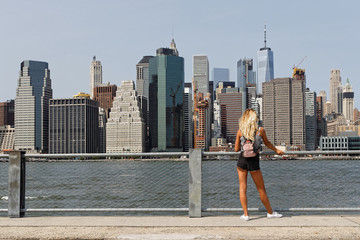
(164, 184)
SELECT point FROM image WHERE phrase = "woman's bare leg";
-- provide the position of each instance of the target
(242, 189)
(259, 182)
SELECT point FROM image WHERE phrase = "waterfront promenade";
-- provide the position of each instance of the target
(182, 227)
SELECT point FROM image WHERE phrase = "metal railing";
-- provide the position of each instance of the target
(193, 182)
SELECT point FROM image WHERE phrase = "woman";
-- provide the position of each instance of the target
(248, 130)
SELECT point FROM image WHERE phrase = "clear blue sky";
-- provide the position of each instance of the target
(68, 33)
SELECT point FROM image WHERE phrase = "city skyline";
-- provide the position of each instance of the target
(70, 34)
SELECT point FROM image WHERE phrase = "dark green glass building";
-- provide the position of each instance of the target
(166, 89)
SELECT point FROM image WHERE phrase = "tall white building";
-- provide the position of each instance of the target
(32, 107)
(125, 129)
(95, 76)
(335, 87)
(348, 101)
(265, 65)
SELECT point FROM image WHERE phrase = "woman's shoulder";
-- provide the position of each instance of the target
(261, 131)
(239, 133)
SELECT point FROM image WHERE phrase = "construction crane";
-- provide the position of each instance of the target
(173, 95)
(297, 72)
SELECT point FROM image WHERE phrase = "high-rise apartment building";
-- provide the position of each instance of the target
(265, 65)
(230, 100)
(7, 113)
(220, 75)
(188, 117)
(348, 101)
(74, 125)
(283, 108)
(125, 129)
(310, 121)
(335, 87)
(95, 75)
(105, 95)
(32, 107)
(166, 88)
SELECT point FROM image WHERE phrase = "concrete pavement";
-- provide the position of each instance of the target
(181, 227)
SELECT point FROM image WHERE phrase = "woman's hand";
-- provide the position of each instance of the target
(279, 152)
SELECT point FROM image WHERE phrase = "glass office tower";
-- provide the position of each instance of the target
(166, 88)
(265, 66)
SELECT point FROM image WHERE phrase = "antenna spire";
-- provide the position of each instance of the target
(264, 34)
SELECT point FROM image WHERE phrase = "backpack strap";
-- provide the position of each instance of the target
(259, 131)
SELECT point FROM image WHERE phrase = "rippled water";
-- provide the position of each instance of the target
(164, 184)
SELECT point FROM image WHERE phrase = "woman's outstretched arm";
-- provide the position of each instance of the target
(268, 143)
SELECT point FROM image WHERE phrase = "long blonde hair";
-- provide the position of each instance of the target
(248, 124)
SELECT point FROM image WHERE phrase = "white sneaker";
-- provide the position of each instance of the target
(245, 218)
(274, 215)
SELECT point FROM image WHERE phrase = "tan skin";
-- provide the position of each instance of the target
(256, 176)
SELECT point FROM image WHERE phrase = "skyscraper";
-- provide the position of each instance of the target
(166, 88)
(265, 65)
(32, 107)
(105, 95)
(142, 77)
(74, 125)
(220, 75)
(335, 86)
(125, 129)
(201, 73)
(188, 118)
(310, 121)
(348, 101)
(95, 75)
(203, 94)
(230, 100)
(283, 108)
(245, 74)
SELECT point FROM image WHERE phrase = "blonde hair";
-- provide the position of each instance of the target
(248, 124)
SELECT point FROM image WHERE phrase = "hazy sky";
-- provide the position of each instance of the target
(68, 33)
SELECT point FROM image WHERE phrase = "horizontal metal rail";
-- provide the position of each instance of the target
(357, 152)
(106, 210)
(349, 209)
(283, 209)
(72, 155)
(178, 154)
